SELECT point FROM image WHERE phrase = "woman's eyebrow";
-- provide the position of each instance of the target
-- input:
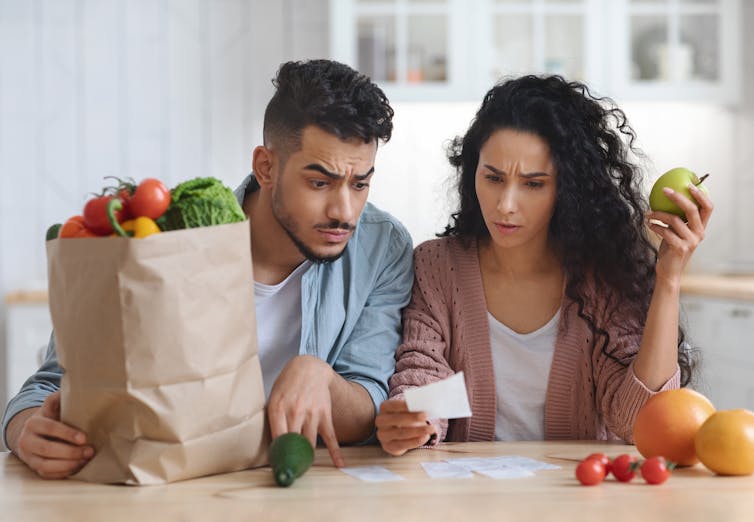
(527, 175)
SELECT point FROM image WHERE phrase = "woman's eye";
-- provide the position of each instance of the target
(494, 179)
(534, 184)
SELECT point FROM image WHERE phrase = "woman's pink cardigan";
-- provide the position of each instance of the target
(445, 330)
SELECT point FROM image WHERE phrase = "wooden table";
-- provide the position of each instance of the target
(326, 494)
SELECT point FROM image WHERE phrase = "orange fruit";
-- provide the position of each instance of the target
(725, 442)
(667, 423)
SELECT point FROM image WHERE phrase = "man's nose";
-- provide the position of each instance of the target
(340, 207)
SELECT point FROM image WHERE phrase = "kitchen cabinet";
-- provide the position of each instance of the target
(28, 327)
(723, 331)
(456, 49)
(677, 50)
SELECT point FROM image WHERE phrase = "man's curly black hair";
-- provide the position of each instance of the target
(597, 228)
(328, 95)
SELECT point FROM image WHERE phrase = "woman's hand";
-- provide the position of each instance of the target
(679, 238)
(400, 430)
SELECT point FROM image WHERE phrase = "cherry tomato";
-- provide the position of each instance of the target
(604, 459)
(656, 470)
(150, 199)
(590, 471)
(75, 227)
(95, 215)
(624, 467)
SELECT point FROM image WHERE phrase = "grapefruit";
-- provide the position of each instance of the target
(667, 423)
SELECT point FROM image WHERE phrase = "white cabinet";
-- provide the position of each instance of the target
(28, 329)
(723, 331)
(677, 50)
(456, 49)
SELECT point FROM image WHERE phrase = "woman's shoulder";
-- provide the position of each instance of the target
(443, 248)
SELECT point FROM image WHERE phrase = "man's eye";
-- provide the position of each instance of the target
(318, 183)
(360, 186)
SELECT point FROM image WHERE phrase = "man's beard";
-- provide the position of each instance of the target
(285, 221)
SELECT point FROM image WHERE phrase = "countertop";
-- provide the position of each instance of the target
(720, 286)
(326, 494)
(705, 285)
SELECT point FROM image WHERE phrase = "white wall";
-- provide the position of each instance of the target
(168, 88)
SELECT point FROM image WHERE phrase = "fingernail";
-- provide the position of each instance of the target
(88, 453)
(668, 190)
(80, 438)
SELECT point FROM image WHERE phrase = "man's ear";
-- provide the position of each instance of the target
(263, 164)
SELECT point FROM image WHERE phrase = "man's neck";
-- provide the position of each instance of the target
(274, 255)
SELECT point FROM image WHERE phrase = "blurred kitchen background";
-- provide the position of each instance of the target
(177, 88)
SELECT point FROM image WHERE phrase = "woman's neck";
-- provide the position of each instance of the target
(523, 262)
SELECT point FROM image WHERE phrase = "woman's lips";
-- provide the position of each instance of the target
(506, 229)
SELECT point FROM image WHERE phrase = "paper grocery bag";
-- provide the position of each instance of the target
(157, 339)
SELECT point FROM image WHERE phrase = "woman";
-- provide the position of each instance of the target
(545, 289)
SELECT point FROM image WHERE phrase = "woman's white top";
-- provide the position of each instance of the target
(521, 363)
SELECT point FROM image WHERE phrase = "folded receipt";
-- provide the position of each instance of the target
(446, 399)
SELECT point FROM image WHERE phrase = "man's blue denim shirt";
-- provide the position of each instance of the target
(351, 309)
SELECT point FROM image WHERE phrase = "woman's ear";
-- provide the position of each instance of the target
(263, 164)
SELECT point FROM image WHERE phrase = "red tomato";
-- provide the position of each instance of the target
(656, 470)
(75, 227)
(604, 459)
(624, 467)
(125, 195)
(95, 215)
(150, 199)
(590, 471)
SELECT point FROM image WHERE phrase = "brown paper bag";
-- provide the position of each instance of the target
(157, 338)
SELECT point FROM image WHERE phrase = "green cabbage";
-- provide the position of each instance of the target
(201, 202)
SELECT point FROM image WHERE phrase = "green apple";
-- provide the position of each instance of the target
(677, 179)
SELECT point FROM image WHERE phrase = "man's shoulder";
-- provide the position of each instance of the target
(375, 223)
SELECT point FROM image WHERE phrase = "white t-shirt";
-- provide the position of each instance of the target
(522, 366)
(278, 323)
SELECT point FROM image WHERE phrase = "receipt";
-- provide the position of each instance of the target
(446, 399)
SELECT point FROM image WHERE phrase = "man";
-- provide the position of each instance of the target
(331, 271)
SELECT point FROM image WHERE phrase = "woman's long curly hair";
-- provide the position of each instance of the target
(597, 228)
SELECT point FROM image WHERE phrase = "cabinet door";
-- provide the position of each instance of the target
(723, 331)
(408, 47)
(677, 48)
(28, 331)
(701, 319)
(541, 36)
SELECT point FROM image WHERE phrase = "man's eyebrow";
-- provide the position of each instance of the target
(333, 175)
(527, 175)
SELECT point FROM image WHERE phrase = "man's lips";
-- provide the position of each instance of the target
(334, 235)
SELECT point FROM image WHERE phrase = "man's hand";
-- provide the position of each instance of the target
(52, 449)
(400, 430)
(300, 402)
